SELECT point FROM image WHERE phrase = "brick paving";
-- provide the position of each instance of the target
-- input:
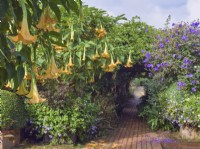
(132, 132)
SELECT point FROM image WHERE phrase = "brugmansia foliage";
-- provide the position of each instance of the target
(65, 46)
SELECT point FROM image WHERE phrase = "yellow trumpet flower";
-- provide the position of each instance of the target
(22, 89)
(67, 70)
(96, 56)
(112, 65)
(84, 50)
(33, 94)
(129, 63)
(46, 23)
(118, 62)
(105, 53)
(24, 34)
(8, 85)
(52, 71)
(70, 64)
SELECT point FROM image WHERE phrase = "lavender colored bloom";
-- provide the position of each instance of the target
(184, 38)
(173, 55)
(181, 84)
(149, 65)
(143, 51)
(189, 75)
(194, 89)
(186, 61)
(193, 82)
(180, 25)
(146, 30)
(192, 30)
(158, 37)
(156, 69)
(145, 60)
(173, 24)
(148, 55)
(179, 56)
(161, 45)
(195, 24)
(167, 40)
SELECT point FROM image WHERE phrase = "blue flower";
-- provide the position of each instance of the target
(149, 65)
(161, 45)
(167, 40)
(184, 38)
(189, 75)
(194, 89)
(173, 24)
(193, 82)
(143, 51)
(145, 60)
(195, 24)
(181, 84)
(148, 55)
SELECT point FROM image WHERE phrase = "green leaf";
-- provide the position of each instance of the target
(4, 5)
(3, 76)
(20, 73)
(55, 9)
(73, 6)
(10, 67)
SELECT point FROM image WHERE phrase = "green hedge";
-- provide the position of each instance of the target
(12, 111)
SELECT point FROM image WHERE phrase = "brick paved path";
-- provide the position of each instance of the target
(133, 132)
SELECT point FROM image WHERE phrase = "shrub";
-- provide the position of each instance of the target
(12, 112)
(152, 109)
(175, 56)
(72, 123)
(181, 108)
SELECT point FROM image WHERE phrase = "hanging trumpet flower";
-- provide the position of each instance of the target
(70, 64)
(100, 32)
(92, 79)
(118, 62)
(129, 63)
(33, 94)
(72, 33)
(8, 85)
(105, 53)
(112, 65)
(52, 71)
(84, 51)
(24, 34)
(46, 22)
(67, 70)
(96, 56)
(22, 89)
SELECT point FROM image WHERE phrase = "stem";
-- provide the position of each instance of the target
(22, 3)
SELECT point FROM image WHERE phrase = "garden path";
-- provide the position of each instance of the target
(132, 132)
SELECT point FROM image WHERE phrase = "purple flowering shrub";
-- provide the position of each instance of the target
(176, 56)
(180, 108)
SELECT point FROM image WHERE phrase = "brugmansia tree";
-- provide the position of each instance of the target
(28, 29)
(52, 39)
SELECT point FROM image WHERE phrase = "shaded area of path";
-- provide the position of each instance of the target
(133, 132)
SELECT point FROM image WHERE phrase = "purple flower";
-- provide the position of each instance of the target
(172, 36)
(143, 51)
(167, 40)
(189, 75)
(145, 60)
(158, 37)
(180, 25)
(148, 55)
(173, 55)
(195, 24)
(149, 65)
(146, 30)
(186, 61)
(156, 69)
(161, 45)
(192, 30)
(193, 82)
(194, 89)
(173, 24)
(179, 56)
(184, 38)
(181, 84)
